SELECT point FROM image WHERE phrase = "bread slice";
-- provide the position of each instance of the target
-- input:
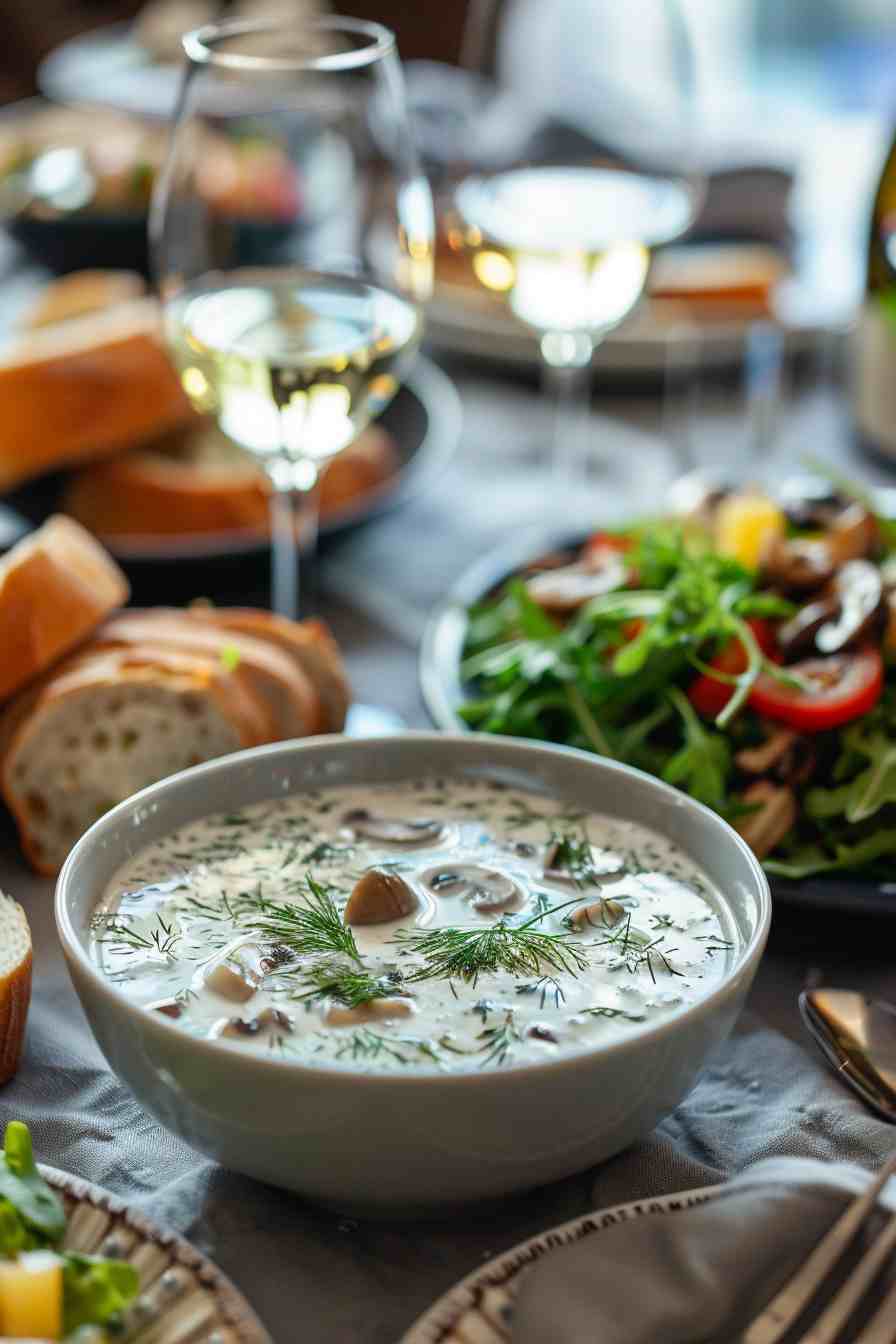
(56, 587)
(107, 724)
(274, 678)
(308, 643)
(80, 293)
(80, 389)
(15, 984)
(199, 482)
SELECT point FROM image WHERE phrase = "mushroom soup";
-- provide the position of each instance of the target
(440, 924)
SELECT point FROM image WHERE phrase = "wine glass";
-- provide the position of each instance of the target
(564, 238)
(292, 239)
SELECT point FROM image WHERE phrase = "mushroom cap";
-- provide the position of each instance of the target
(380, 896)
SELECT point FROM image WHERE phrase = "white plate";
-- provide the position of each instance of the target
(182, 1292)
(479, 1309)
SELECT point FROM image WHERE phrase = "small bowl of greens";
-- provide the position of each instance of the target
(76, 1279)
(743, 651)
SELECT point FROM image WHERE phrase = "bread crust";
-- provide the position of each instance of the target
(56, 587)
(15, 997)
(80, 389)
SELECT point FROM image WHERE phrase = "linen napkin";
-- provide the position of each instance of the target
(701, 1275)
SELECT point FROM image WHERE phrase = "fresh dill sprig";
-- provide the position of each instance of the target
(350, 985)
(465, 954)
(313, 927)
(120, 936)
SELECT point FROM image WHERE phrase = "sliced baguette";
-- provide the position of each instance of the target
(276, 679)
(309, 643)
(56, 587)
(108, 724)
(79, 389)
(15, 984)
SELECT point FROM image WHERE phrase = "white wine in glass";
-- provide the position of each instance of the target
(292, 235)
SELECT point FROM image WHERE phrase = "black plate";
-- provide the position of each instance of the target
(443, 693)
(424, 420)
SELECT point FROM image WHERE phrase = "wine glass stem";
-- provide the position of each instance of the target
(294, 518)
(566, 376)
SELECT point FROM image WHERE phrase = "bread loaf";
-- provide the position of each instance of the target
(56, 587)
(80, 389)
(152, 693)
(15, 984)
(80, 293)
(106, 725)
(200, 483)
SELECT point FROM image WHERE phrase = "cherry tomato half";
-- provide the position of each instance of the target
(707, 694)
(843, 687)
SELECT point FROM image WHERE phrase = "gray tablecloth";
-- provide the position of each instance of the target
(316, 1277)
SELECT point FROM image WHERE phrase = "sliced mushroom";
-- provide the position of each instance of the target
(392, 830)
(565, 590)
(377, 1010)
(600, 863)
(796, 637)
(602, 914)
(167, 1007)
(236, 1027)
(852, 535)
(488, 890)
(859, 593)
(238, 975)
(380, 896)
(759, 760)
(786, 755)
(775, 815)
(798, 565)
(539, 1032)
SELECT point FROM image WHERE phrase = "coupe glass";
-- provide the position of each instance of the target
(563, 236)
(292, 238)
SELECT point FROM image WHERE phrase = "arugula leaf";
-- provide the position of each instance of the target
(26, 1191)
(95, 1291)
(809, 860)
(702, 765)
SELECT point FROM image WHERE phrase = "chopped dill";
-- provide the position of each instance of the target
(119, 936)
(637, 950)
(547, 986)
(347, 983)
(363, 1043)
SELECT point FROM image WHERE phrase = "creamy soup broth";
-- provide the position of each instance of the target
(234, 927)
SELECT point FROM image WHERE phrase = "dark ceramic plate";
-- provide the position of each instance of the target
(424, 420)
(444, 692)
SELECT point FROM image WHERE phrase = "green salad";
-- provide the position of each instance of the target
(46, 1291)
(745, 653)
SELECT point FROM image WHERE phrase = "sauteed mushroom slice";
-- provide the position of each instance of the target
(565, 590)
(784, 753)
(167, 1007)
(377, 1010)
(775, 815)
(238, 975)
(380, 896)
(859, 594)
(796, 637)
(392, 830)
(488, 890)
(852, 534)
(798, 565)
(240, 1027)
(602, 914)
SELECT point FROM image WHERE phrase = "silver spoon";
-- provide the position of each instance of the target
(857, 1036)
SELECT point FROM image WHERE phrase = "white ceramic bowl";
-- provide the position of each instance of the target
(374, 1143)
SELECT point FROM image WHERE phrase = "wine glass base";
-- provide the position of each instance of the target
(373, 721)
